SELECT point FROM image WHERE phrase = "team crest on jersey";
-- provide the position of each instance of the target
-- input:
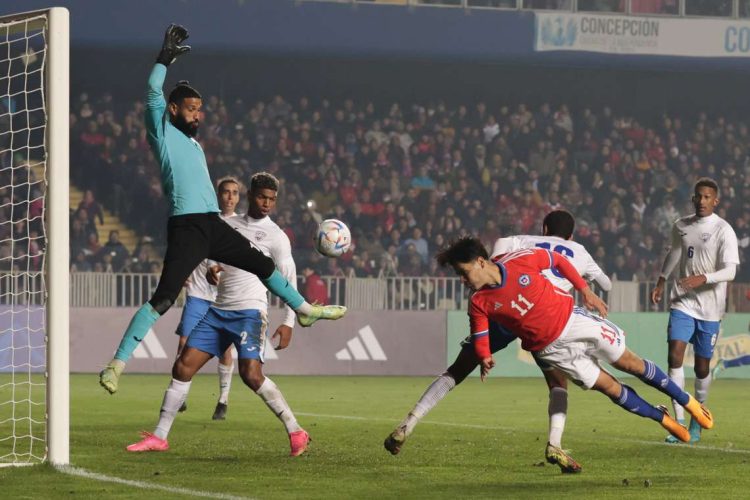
(259, 235)
(705, 236)
(524, 280)
(498, 305)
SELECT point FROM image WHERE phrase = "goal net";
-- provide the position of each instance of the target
(33, 237)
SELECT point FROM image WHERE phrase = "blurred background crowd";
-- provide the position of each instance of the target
(407, 177)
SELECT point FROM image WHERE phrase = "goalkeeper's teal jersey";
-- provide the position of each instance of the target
(184, 173)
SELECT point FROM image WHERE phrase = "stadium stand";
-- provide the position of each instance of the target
(409, 177)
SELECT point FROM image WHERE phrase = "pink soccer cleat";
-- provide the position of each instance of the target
(298, 442)
(150, 443)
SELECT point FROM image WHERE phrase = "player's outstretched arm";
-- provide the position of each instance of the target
(172, 47)
(592, 302)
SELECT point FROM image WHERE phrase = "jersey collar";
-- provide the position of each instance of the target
(503, 275)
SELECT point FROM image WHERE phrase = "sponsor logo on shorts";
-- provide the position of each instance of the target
(524, 280)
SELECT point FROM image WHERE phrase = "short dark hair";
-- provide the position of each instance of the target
(183, 90)
(263, 180)
(559, 223)
(706, 182)
(463, 250)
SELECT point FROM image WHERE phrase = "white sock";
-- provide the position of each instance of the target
(678, 377)
(558, 411)
(273, 398)
(437, 390)
(174, 396)
(225, 382)
(304, 308)
(701, 388)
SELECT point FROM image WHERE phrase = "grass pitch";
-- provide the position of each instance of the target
(483, 441)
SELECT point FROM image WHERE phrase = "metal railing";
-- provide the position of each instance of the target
(386, 294)
(22, 288)
(684, 8)
(395, 293)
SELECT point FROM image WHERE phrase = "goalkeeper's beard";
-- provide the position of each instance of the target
(190, 129)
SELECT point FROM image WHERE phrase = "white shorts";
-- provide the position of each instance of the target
(585, 341)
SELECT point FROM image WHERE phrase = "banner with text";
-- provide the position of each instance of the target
(645, 334)
(642, 35)
(362, 343)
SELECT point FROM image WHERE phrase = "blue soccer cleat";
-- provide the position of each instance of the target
(695, 431)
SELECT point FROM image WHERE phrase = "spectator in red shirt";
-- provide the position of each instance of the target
(315, 289)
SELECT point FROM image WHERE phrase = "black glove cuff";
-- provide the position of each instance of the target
(165, 57)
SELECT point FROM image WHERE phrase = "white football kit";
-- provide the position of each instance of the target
(703, 245)
(239, 290)
(574, 252)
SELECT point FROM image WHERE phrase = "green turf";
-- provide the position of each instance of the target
(485, 441)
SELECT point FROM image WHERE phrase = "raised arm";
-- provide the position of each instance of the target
(155, 102)
(156, 105)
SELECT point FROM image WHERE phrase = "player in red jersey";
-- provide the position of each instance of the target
(512, 292)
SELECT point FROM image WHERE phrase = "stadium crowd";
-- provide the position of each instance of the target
(407, 179)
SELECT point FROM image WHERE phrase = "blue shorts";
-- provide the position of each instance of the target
(219, 329)
(500, 338)
(192, 313)
(701, 333)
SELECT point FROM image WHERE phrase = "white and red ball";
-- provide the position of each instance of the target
(333, 238)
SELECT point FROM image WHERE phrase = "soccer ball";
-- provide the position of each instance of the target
(333, 238)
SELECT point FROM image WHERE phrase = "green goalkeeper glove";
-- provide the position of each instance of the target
(172, 49)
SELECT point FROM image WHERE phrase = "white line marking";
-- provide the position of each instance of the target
(499, 428)
(76, 471)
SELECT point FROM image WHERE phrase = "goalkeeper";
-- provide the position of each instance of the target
(194, 230)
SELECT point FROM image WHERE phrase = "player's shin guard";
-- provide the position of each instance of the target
(631, 401)
(173, 398)
(557, 409)
(275, 401)
(280, 287)
(656, 378)
(142, 321)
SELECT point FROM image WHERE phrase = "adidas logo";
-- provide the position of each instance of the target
(150, 347)
(363, 347)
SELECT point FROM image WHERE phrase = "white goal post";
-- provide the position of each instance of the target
(34, 241)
